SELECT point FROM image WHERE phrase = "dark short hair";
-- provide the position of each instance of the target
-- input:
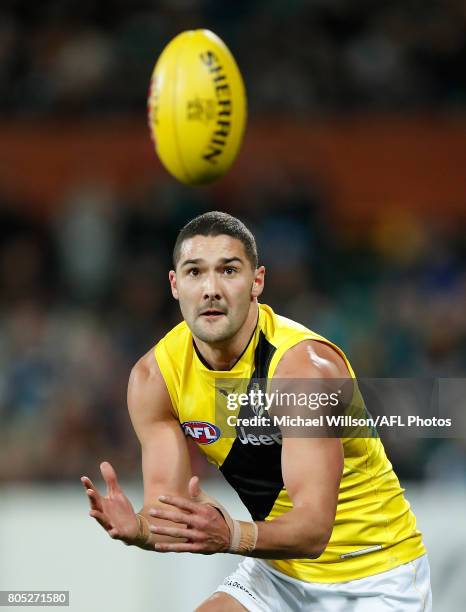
(216, 223)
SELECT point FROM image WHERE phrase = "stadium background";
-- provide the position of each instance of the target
(352, 176)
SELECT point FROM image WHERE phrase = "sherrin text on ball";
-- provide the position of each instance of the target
(197, 107)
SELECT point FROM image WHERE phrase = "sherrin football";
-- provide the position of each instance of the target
(197, 107)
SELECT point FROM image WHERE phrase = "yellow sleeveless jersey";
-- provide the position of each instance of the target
(372, 514)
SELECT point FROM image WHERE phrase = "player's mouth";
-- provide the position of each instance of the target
(212, 314)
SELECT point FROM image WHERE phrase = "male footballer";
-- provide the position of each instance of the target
(330, 529)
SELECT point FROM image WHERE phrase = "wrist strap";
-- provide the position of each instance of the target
(143, 535)
(244, 537)
(243, 534)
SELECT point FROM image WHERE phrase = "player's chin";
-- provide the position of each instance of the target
(215, 330)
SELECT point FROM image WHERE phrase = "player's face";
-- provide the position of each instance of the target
(215, 285)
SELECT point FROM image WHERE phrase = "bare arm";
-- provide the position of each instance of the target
(311, 469)
(166, 466)
(165, 459)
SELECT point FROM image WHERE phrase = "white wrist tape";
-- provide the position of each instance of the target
(243, 534)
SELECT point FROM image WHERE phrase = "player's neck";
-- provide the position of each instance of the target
(224, 356)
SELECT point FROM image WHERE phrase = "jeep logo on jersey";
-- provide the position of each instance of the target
(201, 432)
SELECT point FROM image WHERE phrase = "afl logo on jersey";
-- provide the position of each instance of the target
(201, 432)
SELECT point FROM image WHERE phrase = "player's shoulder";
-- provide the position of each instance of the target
(313, 356)
(148, 398)
(147, 366)
(153, 372)
(299, 347)
(145, 370)
(174, 340)
(279, 329)
(147, 383)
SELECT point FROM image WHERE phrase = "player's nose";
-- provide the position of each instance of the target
(211, 287)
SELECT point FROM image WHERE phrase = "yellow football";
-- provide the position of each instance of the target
(197, 107)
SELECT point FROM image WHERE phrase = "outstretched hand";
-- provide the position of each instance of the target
(201, 525)
(114, 512)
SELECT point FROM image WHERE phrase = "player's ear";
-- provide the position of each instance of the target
(172, 279)
(258, 284)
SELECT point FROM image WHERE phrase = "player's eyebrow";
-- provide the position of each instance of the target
(227, 260)
(191, 261)
(224, 260)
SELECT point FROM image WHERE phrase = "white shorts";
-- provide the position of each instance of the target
(261, 588)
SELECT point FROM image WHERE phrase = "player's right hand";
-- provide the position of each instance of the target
(114, 512)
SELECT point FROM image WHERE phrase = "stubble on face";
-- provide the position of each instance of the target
(215, 306)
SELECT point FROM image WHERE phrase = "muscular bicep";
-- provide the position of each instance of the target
(165, 459)
(312, 469)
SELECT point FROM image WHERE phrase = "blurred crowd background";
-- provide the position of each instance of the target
(84, 289)
(300, 56)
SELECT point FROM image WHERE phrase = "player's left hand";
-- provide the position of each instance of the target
(204, 528)
(114, 512)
